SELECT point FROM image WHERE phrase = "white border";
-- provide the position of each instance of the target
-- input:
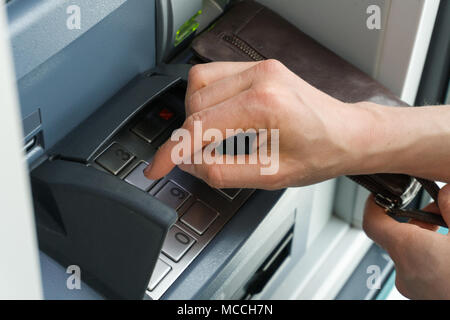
(20, 276)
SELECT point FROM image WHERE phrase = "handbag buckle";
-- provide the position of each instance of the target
(384, 202)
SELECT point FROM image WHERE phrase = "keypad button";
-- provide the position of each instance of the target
(230, 193)
(159, 272)
(115, 158)
(154, 123)
(173, 195)
(138, 179)
(199, 217)
(177, 243)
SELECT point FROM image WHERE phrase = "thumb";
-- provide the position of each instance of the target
(444, 203)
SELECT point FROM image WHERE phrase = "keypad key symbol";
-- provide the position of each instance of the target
(173, 195)
(177, 243)
(122, 154)
(115, 158)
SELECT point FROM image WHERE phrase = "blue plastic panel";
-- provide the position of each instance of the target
(68, 74)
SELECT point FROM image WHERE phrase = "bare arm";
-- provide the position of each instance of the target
(319, 136)
(414, 141)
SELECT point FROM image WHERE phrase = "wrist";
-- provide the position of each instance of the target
(403, 140)
(371, 140)
(390, 137)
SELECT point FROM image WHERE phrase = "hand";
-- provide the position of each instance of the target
(315, 140)
(421, 256)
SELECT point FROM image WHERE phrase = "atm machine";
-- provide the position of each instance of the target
(101, 85)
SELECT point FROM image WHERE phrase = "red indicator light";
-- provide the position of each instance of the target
(166, 114)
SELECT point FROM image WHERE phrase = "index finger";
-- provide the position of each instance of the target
(224, 116)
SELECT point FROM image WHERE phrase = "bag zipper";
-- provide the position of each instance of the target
(243, 47)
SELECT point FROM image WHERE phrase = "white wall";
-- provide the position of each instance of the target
(339, 25)
(19, 264)
(393, 55)
(405, 46)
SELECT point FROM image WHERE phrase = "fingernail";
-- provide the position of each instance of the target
(148, 169)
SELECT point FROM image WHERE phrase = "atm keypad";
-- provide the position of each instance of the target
(115, 158)
(172, 194)
(199, 217)
(202, 210)
(138, 179)
(177, 243)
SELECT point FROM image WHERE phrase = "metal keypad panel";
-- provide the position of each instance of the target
(159, 272)
(202, 210)
(115, 158)
(202, 213)
(199, 217)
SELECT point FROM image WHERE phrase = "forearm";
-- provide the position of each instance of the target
(414, 141)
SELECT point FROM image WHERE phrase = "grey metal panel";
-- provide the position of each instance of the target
(106, 120)
(69, 73)
(38, 28)
(31, 123)
(54, 282)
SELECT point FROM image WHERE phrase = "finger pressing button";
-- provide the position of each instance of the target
(138, 179)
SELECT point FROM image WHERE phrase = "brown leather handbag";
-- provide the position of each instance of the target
(248, 31)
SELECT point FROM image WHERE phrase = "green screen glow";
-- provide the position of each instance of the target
(187, 29)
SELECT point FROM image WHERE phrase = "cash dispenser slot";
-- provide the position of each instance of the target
(270, 266)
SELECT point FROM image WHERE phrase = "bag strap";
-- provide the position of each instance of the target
(431, 187)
